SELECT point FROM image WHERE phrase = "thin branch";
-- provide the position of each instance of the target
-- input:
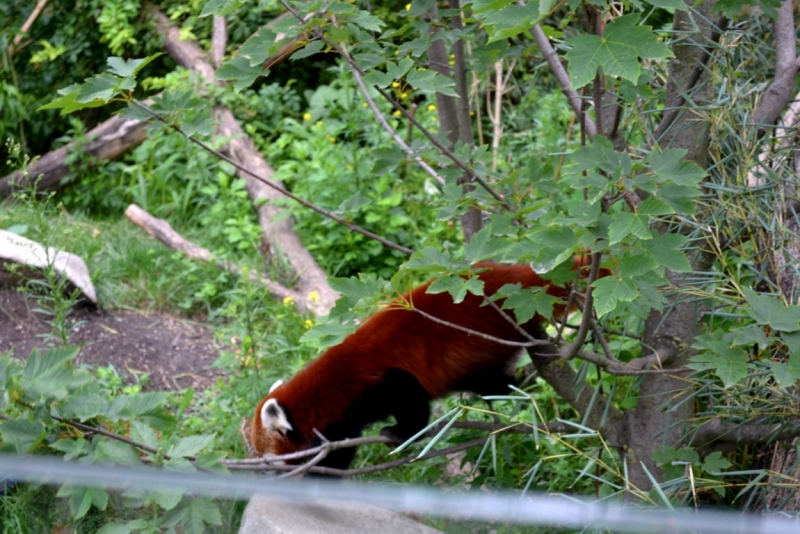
(163, 231)
(575, 346)
(396, 105)
(397, 139)
(562, 77)
(26, 26)
(521, 344)
(780, 91)
(271, 184)
(740, 434)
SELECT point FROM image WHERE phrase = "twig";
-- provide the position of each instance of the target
(396, 105)
(740, 434)
(271, 184)
(551, 57)
(161, 230)
(386, 126)
(523, 344)
(26, 26)
(780, 91)
(575, 346)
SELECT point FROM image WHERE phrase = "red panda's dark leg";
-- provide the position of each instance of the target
(409, 403)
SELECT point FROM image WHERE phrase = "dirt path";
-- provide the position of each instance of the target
(175, 353)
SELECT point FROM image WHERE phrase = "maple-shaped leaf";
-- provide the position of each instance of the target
(617, 52)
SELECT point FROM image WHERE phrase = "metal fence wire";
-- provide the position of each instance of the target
(508, 507)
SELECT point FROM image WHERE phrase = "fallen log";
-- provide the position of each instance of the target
(108, 140)
(163, 231)
(279, 232)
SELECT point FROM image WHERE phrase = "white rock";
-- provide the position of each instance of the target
(15, 249)
(266, 516)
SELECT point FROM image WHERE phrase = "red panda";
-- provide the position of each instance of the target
(394, 364)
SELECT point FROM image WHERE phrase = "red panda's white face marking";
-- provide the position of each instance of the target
(273, 418)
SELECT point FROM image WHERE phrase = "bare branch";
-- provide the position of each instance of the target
(573, 349)
(715, 430)
(219, 41)
(562, 77)
(396, 105)
(386, 126)
(26, 26)
(522, 344)
(780, 91)
(275, 186)
(163, 231)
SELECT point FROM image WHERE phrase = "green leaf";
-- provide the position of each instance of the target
(457, 286)
(484, 246)
(191, 445)
(141, 433)
(124, 68)
(50, 375)
(376, 77)
(327, 334)
(617, 52)
(526, 302)
(429, 260)
(752, 334)
(609, 291)
(512, 20)
(625, 224)
(166, 499)
(631, 265)
(309, 50)
(239, 70)
(258, 47)
(678, 5)
(732, 8)
(127, 528)
(714, 463)
(652, 207)
(83, 407)
(22, 435)
(117, 452)
(81, 499)
(787, 374)
(72, 448)
(398, 70)
(666, 250)
(668, 167)
(429, 82)
(679, 197)
(769, 310)
(220, 8)
(100, 87)
(193, 513)
(729, 364)
(367, 21)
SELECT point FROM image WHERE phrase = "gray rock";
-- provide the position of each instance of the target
(15, 249)
(266, 516)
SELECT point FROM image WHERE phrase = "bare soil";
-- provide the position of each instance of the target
(175, 353)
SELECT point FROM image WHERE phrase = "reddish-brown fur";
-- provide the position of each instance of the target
(442, 359)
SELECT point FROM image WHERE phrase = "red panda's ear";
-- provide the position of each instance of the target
(276, 385)
(273, 418)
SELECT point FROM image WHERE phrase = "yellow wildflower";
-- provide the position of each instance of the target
(431, 107)
(306, 116)
(396, 113)
(308, 323)
(313, 296)
(287, 301)
(408, 7)
(395, 84)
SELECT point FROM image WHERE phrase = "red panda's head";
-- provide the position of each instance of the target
(271, 426)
